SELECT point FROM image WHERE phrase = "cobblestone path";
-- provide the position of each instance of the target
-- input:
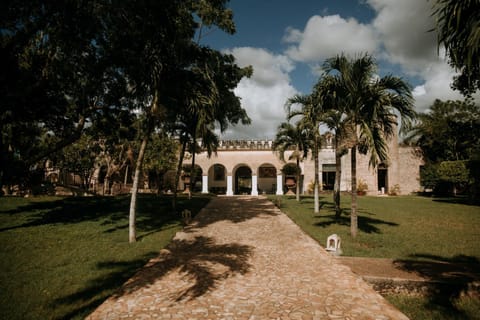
(242, 258)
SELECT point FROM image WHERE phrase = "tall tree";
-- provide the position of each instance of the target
(311, 113)
(160, 157)
(448, 134)
(152, 42)
(55, 77)
(207, 100)
(290, 137)
(373, 103)
(333, 98)
(459, 31)
(449, 131)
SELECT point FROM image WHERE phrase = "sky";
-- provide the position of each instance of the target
(286, 42)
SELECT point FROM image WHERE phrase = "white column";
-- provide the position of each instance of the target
(254, 186)
(279, 184)
(229, 186)
(204, 184)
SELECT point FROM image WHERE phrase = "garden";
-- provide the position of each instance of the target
(420, 233)
(62, 257)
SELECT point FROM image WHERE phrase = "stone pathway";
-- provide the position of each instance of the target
(242, 258)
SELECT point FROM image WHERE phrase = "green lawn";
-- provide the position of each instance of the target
(419, 231)
(61, 257)
(407, 227)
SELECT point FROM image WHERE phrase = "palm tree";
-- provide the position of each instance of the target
(207, 99)
(311, 117)
(332, 97)
(292, 136)
(372, 104)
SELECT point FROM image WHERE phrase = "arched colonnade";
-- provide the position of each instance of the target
(248, 172)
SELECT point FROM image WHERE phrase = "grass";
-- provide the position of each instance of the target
(423, 308)
(407, 227)
(417, 230)
(62, 257)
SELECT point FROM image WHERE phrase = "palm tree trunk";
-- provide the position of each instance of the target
(353, 214)
(192, 169)
(177, 175)
(316, 182)
(132, 236)
(298, 180)
(338, 177)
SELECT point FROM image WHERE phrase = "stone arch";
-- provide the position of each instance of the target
(242, 179)
(289, 176)
(217, 178)
(267, 178)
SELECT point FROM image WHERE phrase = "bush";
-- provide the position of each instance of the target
(395, 190)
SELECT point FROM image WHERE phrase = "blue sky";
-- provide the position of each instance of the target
(286, 42)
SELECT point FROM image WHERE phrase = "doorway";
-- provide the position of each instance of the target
(243, 180)
(382, 174)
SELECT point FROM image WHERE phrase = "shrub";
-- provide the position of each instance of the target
(395, 190)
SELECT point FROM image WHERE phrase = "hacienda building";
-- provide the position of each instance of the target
(252, 167)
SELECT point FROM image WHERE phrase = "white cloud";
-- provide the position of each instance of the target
(264, 94)
(436, 86)
(327, 36)
(404, 28)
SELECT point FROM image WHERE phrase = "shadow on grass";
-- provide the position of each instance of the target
(71, 210)
(99, 289)
(459, 200)
(152, 211)
(365, 224)
(205, 264)
(234, 209)
(450, 277)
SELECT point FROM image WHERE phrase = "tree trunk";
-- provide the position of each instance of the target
(125, 180)
(316, 182)
(192, 169)
(298, 179)
(132, 235)
(338, 177)
(177, 175)
(353, 214)
(106, 185)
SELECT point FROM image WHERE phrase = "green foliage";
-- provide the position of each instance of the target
(369, 110)
(69, 64)
(54, 79)
(369, 106)
(292, 137)
(429, 176)
(450, 131)
(449, 137)
(291, 169)
(449, 177)
(453, 172)
(160, 157)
